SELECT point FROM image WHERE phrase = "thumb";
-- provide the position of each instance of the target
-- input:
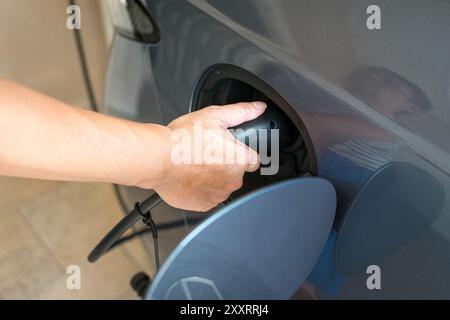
(234, 114)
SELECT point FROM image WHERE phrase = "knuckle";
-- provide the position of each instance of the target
(239, 184)
(252, 167)
(221, 197)
(204, 207)
(244, 112)
(208, 111)
(253, 157)
(233, 186)
(213, 108)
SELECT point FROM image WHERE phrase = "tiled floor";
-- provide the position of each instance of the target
(47, 226)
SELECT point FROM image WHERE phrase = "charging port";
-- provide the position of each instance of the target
(227, 84)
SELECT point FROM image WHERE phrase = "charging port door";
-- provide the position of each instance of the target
(260, 246)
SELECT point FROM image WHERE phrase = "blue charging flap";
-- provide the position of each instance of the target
(261, 246)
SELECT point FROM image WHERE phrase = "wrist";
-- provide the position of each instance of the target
(151, 161)
(156, 155)
(161, 154)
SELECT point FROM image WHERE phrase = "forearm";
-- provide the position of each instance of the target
(47, 139)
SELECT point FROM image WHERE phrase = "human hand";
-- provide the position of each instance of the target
(203, 179)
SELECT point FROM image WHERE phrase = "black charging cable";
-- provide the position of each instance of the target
(141, 211)
(150, 224)
(84, 65)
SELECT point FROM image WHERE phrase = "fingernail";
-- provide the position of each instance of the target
(259, 105)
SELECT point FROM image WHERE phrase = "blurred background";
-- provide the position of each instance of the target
(46, 226)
